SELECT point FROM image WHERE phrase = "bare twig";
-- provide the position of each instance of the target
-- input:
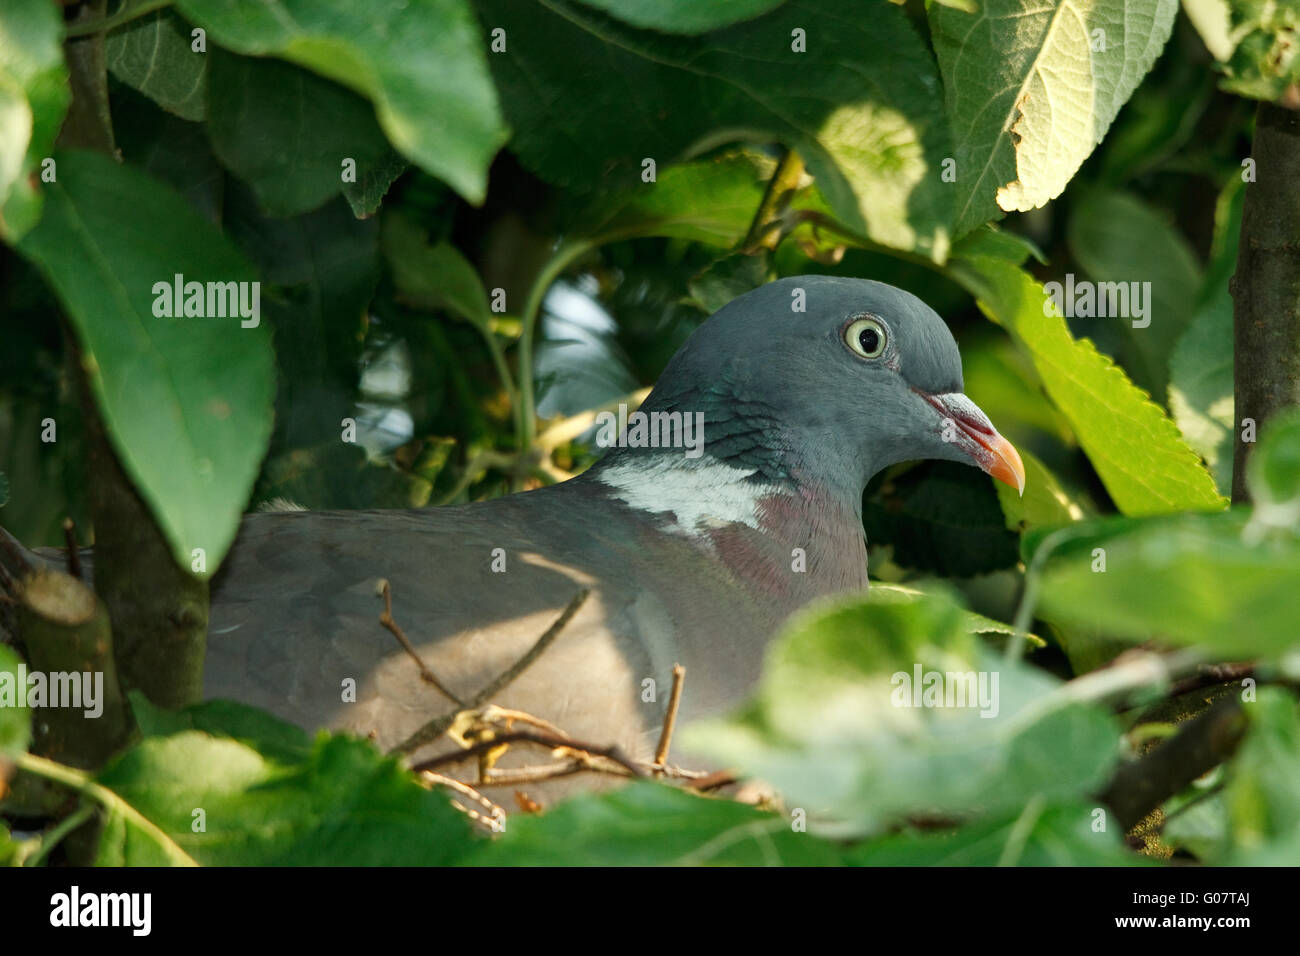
(1209, 675)
(495, 820)
(714, 781)
(504, 680)
(426, 675)
(550, 741)
(670, 718)
(1139, 786)
(74, 553)
(438, 726)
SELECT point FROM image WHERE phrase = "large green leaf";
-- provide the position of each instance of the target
(684, 16)
(1118, 238)
(420, 61)
(1192, 578)
(1061, 834)
(648, 824)
(186, 401)
(1262, 794)
(221, 801)
(286, 131)
(1142, 459)
(154, 55)
(33, 98)
(869, 127)
(1188, 579)
(1030, 91)
(829, 729)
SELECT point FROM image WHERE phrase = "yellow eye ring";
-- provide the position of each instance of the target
(866, 337)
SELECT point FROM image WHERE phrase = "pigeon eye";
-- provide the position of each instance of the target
(866, 337)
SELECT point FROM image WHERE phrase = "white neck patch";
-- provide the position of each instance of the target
(700, 496)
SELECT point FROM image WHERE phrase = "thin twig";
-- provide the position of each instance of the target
(550, 741)
(502, 681)
(495, 820)
(714, 781)
(74, 553)
(438, 726)
(670, 718)
(386, 619)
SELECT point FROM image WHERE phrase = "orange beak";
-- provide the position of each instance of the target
(976, 435)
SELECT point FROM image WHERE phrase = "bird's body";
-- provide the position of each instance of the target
(295, 610)
(806, 388)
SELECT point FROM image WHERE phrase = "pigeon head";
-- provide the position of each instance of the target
(823, 381)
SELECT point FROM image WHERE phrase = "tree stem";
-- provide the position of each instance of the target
(1266, 287)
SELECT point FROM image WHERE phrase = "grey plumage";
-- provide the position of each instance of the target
(689, 560)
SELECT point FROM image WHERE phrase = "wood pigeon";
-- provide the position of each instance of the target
(696, 543)
(805, 387)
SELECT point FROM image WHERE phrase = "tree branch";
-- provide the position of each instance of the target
(1266, 287)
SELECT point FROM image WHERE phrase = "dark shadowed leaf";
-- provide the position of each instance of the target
(421, 62)
(287, 132)
(870, 129)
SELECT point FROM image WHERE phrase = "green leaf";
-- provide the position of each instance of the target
(433, 277)
(975, 623)
(1040, 835)
(1200, 369)
(287, 132)
(869, 128)
(270, 736)
(342, 803)
(1273, 470)
(833, 729)
(726, 279)
(1028, 96)
(1265, 61)
(1118, 238)
(1213, 21)
(943, 517)
(33, 99)
(649, 824)
(366, 194)
(1141, 458)
(174, 150)
(1044, 503)
(421, 62)
(186, 401)
(15, 720)
(153, 55)
(683, 16)
(711, 201)
(1187, 579)
(1262, 793)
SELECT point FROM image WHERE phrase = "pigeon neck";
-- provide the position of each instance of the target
(776, 527)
